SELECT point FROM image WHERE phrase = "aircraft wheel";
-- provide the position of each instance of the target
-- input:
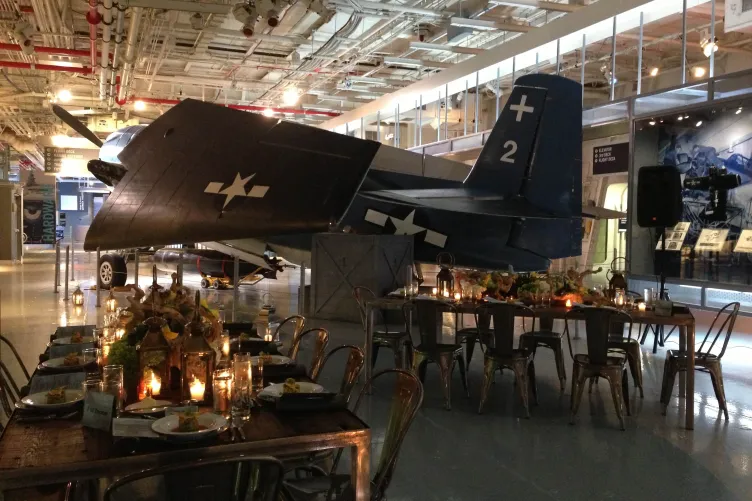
(215, 284)
(204, 283)
(112, 271)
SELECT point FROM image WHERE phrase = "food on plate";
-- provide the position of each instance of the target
(146, 403)
(56, 396)
(265, 358)
(188, 422)
(71, 359)
(290, 386)
(77, 338)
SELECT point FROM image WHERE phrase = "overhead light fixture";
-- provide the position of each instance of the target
(139, 106)
(654, 71)
(686, 117)
(680, 118)
(403, 61)
(709, 46)
(445, 48)
(290, 96)
(739, 110)
(64, 96)
(652, 122)
(268, 112)
(699, 72)
(699, 123)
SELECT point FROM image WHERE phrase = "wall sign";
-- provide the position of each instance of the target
(39, 210)
(711, 239)
(611, 158)
(744, 244)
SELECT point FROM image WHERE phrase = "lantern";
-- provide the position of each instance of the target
(445, 278)
(110, 303)
(77, 297)
(153, 358)
(196, 360)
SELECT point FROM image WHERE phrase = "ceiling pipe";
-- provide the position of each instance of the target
(119, 27)
(47, 50)
(104, 61)
(45, 67)
(244, 107)
(94, 19)
(394, 8)
(538, 4)
(130, 54)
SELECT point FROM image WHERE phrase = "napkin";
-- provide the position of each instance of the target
(132, 427)
(72, 381)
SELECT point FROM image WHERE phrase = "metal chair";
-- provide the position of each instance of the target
(629, 347)
(319, 349)
(10, 389)
(397, 341)
(547, 338)
(705, 360)
(597, 362)
(353, 367)
(500, 352)
(430, 316)
(243, 478)
(297, 322)
(407, 398)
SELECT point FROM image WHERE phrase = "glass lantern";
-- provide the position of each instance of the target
(445, 278)
(111, 303)
(77, 297)
(196, 360)
(153, 359)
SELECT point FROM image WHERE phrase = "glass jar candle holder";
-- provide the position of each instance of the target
(241, 386)
(222, 389)
(112, 383)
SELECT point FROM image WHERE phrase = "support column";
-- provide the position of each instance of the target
(301, 290)
(235, 286)
(136, 263)
(99, 289)
(67, 266)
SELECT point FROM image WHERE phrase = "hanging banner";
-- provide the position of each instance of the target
(39, 210)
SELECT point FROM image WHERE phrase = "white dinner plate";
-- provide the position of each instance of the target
(153, 408)
(276, 360)
(67, 340)
(274, 391)
(167, 426)
(39, 400)
(57, 363)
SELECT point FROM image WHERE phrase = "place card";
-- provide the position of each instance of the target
(61, 350)
(133, 427)
(41, 383)
(744, 244)
(98, 409)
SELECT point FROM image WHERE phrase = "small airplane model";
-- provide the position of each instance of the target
(203, 173)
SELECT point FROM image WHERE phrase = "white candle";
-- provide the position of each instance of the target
(569, 303)
(446, 293)
(268, 338)
(434, 291)
(226, 347)
(197, 389)
(641, 306)
(155, 385)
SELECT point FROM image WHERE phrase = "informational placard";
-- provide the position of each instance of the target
(611, 158)
(744, 244)
(38, 209)
(68, 161)
(98, 409)
(711, 239)
(674, 240)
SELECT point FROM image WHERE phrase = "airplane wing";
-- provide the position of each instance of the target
(204, 172)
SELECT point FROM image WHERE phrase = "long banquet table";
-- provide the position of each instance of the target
(59, 451)
(685, 322)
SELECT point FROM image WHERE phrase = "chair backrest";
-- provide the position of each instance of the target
(503, 315)
(355, 362)
(407, 398)
(243, 478)
(431, 316)
(320, 339)
(598, 326)
(4, 340)
(296, 322)
(729, 314)
(362, 295)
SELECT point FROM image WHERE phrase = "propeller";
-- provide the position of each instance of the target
(76, 125)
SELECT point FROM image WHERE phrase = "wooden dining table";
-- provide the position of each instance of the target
(684, 321)
(59, 451)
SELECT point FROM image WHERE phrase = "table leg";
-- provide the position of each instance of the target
(370, 312)
(690, 395)
(682, 374)
(361, 466)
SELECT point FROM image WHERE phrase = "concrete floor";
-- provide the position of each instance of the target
(460, 455)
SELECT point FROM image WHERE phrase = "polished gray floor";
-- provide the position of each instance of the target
(460, 455)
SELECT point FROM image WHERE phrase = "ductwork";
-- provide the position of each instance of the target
(104, 69)
(119, 26)
(94, 19)
(130, 53)
(23, 145)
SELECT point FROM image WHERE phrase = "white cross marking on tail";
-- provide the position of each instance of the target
(521, 109)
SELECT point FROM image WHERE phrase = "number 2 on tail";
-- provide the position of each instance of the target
(507, 157)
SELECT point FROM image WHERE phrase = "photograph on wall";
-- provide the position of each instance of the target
(38, 208)
(711, 240)
(744, 244)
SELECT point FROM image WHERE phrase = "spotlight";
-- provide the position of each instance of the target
(139, 106)
(290, 96)
(654, 71)
(652, 122)
(709, 46)
(64, 96)
(699, 123)
(23, 31)
(699, 72)
(739, 110)
(268, 112)
(686, 116)
(680, 118)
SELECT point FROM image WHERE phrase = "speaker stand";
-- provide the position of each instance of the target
(662, 293)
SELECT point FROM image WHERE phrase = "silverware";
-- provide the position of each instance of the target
(48, 417)
(240, 432)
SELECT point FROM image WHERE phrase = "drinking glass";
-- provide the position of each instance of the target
(90, 356)
(241, 386)
(92, 384)
(222, 389)
(112, 382)
(257, 381)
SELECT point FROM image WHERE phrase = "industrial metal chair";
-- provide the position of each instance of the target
(705, 360)
(430, 315)
(243, 478)
(353, 367)
(546, 337)
(630, 347)
(499, 352)
(321, 339)
(397, 341)
(407, 398)
(296, 322)
(11, 390)
(597, 362)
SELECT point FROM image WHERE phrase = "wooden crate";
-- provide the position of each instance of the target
(342, 261)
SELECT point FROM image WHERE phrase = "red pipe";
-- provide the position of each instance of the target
(46, 50)
(45, 67)
(245, 107)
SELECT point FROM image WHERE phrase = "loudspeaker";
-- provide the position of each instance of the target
(659, 200)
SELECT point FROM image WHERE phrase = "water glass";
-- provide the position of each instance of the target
(257, 381)
(222, 391)
(92, 384)
(112, 382)
(241, 386)
(90, 356)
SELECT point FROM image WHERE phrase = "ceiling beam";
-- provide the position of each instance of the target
(538, 4)
(484, 25)
(445, 48)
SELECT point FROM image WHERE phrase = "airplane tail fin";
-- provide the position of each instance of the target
(535, 149)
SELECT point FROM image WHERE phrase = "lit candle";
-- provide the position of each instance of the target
(568, 304)
(641, 306)
(446, 293)
(457, 296)
(119, 333)
(226, 347)
(268, 338)
(155, 385)
(197, 389)
(434, 291)
(620, 300)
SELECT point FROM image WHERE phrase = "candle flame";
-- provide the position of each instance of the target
(569, 303)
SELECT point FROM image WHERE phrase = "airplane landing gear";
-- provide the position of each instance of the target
(215, 283)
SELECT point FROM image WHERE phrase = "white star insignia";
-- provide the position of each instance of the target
(236, 189)
(406, 227)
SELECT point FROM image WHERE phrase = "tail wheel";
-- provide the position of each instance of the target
(205, 283)
(112, 271)
(215, 284)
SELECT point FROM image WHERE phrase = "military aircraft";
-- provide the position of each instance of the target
(206, 173)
